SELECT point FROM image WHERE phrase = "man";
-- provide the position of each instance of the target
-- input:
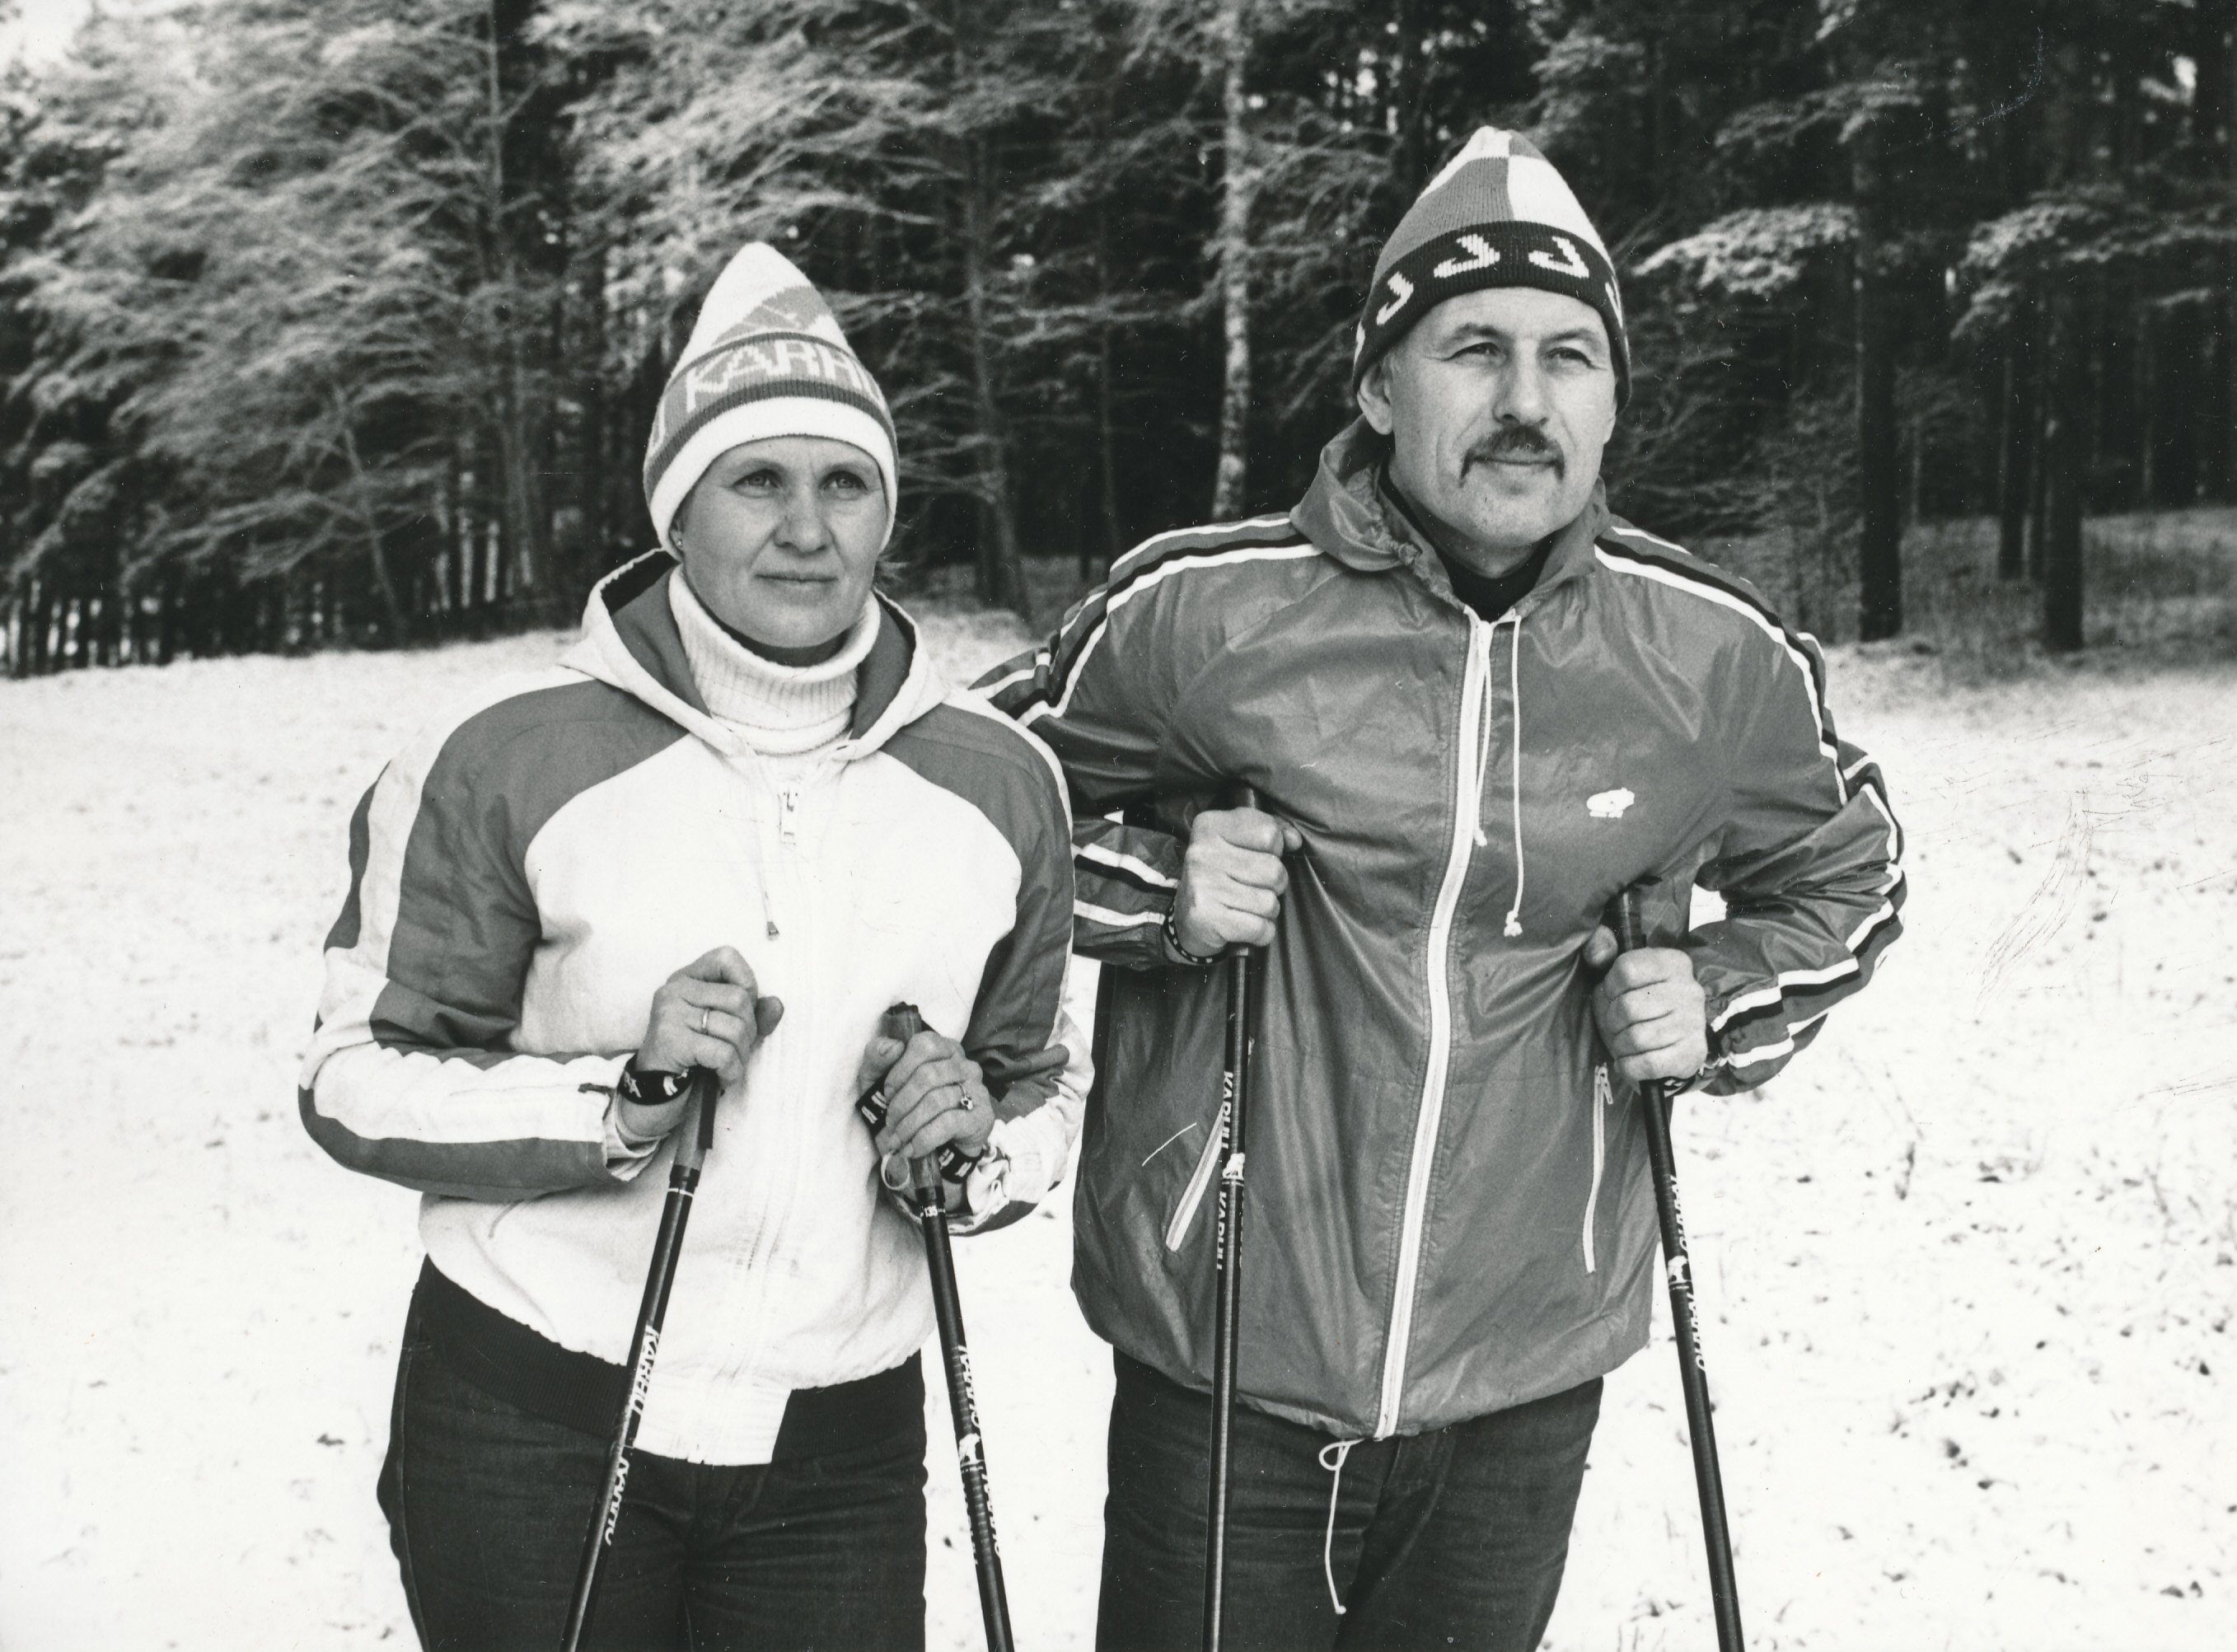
(1475, 706)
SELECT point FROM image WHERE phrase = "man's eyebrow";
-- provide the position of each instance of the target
(1466, 331)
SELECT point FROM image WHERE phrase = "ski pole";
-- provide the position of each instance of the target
(1227, 1261)
(951, 1163)
(1693, 1370)
(691, 1147)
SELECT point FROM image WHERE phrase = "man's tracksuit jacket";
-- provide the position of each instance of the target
(1450, 1206)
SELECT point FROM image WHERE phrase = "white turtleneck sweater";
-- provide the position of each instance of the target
(793, 716)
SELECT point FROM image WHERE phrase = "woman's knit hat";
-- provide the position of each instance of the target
(766, 359)
(1498, 216)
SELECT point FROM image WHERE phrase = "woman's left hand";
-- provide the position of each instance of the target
(935, 1095)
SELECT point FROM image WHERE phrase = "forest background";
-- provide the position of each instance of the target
(342, 321)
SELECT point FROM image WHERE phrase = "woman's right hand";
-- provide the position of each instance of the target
(709, 1014)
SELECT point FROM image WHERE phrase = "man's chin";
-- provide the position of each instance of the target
(1517, 515)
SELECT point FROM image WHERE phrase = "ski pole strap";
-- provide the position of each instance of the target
(904, 1022)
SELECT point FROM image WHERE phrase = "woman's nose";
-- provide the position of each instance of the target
(804, 529)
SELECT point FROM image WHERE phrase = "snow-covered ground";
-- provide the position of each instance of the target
(1969, 1268)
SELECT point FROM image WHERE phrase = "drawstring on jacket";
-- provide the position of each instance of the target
(1513, 929)
(1342, 1449)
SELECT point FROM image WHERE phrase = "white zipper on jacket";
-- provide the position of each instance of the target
(1603, 1098)
(1432, 1112)
(1177, 1231)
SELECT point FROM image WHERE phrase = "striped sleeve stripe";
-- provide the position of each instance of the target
(1144, 560)
(972, 701)
(1180, 562)
(1678, 576)
(1024, 674)
(1126, 868)
(1158, 546)
(1797, 1035)
(1876, 794)
(1091, 913)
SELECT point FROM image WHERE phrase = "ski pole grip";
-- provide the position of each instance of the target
(1239, 795)
(1630, 927)
(904, 1022)
(702, 1087)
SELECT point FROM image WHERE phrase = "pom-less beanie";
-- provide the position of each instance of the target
(766, 357)
(1499, 215)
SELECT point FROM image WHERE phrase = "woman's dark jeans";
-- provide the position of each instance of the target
(487, 1507)
(1452, 1539)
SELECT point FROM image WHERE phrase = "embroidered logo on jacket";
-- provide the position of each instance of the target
(1609, 805)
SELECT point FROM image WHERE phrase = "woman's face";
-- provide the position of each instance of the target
(780, 538)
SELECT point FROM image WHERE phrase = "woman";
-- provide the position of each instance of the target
(741, 819)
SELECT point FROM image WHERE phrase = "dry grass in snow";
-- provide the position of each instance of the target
(1969, 1268)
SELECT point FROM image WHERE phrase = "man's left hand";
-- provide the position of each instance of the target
(1652, 1015)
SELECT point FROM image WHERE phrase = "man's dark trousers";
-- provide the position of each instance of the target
(1450, 1539)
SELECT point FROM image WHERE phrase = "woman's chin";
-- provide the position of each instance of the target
(791, 614)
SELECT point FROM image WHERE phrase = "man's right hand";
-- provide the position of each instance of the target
(1232, 880)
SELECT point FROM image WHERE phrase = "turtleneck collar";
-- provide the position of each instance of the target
(779, 710)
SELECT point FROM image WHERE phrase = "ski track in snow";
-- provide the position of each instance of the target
(1968, 1270)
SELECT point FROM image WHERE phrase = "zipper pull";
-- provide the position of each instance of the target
(788, 829)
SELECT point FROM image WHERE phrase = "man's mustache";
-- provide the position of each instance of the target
(1519, 442)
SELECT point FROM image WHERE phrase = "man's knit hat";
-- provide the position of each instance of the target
(766, 359)
(1498, 216)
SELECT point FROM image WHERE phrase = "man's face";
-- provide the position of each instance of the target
(1497, 406)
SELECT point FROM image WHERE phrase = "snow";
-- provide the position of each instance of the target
(1968, 1270)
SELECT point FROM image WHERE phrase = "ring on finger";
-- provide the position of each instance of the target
(703, 1009)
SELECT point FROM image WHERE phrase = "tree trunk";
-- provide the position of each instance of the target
(2147, 397)
(1879, 543)
(594, 536)
(2062, 461)
(2039, 474)
(1239, 185)
(41, 651)
(2016, 449)
(2228, 342)
(1409, 154)
(1106, 455)
(1107, 420)
(1001, 567)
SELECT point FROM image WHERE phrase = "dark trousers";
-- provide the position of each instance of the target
(487, 1507)
(1455, 1538)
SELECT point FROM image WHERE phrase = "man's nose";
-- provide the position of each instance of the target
(1523, 398)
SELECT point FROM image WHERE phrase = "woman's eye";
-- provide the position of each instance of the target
(759, 481)
(845, 482)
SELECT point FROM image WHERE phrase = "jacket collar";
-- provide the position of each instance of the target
(1345, 513)
(630, 642)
